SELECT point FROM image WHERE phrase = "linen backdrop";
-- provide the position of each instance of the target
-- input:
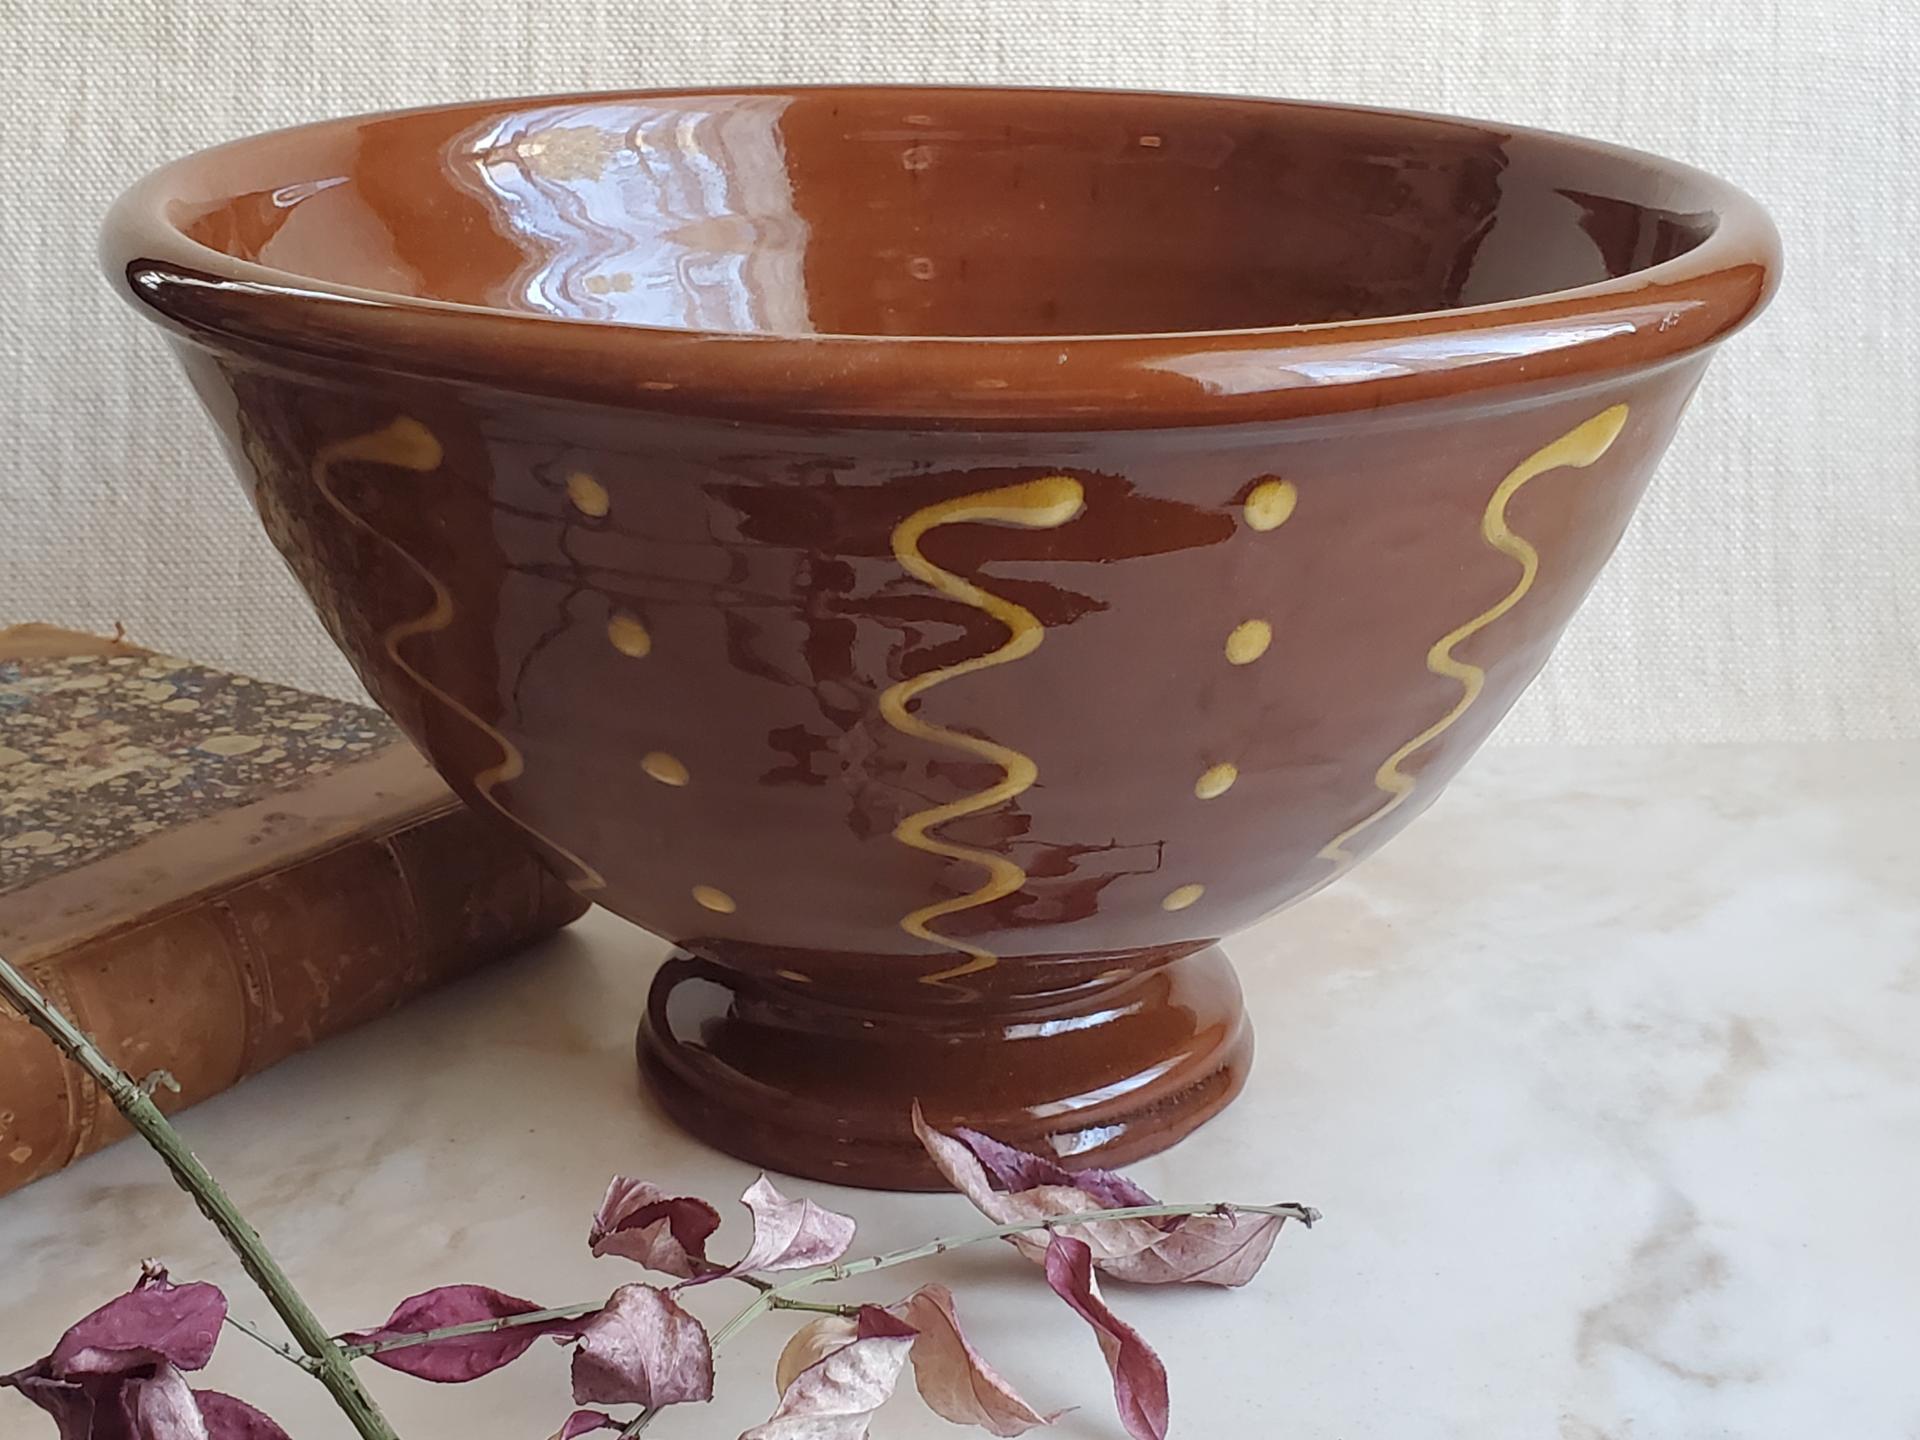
(1769, 589)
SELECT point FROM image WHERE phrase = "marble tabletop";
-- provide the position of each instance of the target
(1606, 1076)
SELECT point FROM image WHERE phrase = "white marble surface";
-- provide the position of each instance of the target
(1605, 1075)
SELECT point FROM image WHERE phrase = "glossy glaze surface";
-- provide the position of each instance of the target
(636, 451)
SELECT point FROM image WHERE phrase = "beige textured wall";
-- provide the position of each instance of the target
(1771, 587)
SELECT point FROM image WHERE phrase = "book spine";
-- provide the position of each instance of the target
(239, 979)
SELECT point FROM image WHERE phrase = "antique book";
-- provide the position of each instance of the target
(210, 873)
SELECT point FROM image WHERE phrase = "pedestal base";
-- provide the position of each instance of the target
(798, 1078)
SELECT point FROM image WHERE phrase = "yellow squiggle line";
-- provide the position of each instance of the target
(1039, 505)
(409, 445)
(1577, 449)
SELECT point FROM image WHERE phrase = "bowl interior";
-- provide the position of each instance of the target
(936, 212)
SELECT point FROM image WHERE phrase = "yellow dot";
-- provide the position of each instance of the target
(664, 768)
(796, 976)
(1270, 504)
(1216, 781)
(1183, 897)
(1248, 642)
(717, 901)
(629, 636)
(588, 495)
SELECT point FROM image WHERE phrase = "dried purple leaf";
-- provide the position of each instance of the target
(155, 1322)
(1139, 1379)
(584, 1422)
(162, 1406)
(231, 1419)
(1225, 1249)
(955, 1381)
(663, 1232)
(463, 1357)
(70, 1404)
(1109, 1239)
(790, 1234)
(811, 1344)
(834, 1398)
(1012, 1169)
(642, 1349)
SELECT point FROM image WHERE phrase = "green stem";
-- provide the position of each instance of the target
(781, 1302)
(252, 1331)
(329, 1366)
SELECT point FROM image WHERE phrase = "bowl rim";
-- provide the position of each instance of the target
(1648, 318)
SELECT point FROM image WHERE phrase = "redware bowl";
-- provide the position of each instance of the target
(942, 557)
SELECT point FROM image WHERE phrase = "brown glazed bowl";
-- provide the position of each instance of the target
(942, 557)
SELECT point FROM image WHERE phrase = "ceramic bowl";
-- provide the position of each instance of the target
(942, 557)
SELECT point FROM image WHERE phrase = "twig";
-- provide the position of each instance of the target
(285, 1352)
(781, 1302)
(329, 1366)
(844, 1269)
(781, 1297)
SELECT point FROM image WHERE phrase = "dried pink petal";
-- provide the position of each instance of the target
(663, 1232)
(464, 1357)
(161, 1407)
(231, 1419)
(955, 1381)
(584, 1422)
(70, 1403)
(790, 1234)
(811, 1344)
(1109, 1239)
(642, 1349)
(1139, 1379)
(156, 1322)
(1012, 1169)
(834, 1398)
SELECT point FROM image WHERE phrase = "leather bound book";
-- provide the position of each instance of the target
(210, 873)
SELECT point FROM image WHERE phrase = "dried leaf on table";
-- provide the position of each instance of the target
(1225, 1247)
(835, 1397)
(663, 1232)
(811, 1344)
(954, 1379)
(231, 1419)
(585, 1422)
(162, 1406)
(642, 1349)
(790, 1234)
(1139, 1379)
(464, 1357)
(156, 1321)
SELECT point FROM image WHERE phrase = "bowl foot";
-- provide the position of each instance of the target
(801, 1079)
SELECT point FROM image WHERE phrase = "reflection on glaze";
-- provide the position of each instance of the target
(1039, 505)
(406, 444)
(680, 213)
(1577, 449)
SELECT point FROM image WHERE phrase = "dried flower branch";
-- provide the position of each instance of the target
(137, 1106)
(119, 1373)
